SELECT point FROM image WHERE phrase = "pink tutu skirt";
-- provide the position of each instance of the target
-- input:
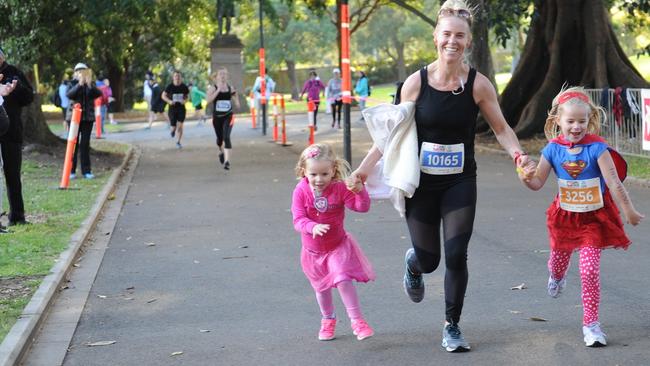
(346, 262)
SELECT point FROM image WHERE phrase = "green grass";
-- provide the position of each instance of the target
(638, 167)
(57, 128)
(11, 309)
(31, 250)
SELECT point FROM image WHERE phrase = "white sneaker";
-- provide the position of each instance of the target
(594, 336)
(555, 287)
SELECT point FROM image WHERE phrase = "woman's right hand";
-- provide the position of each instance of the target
(356, 177)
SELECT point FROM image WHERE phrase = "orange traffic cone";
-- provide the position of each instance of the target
(72, 142)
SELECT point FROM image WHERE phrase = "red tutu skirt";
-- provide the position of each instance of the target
(602, 228)
(346, 262)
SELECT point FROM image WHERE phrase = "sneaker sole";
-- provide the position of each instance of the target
(414, 297)
(361, 338)
(326, 339)
(596, 344)
(458, 349)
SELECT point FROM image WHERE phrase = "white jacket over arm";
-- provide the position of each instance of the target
(393, 131)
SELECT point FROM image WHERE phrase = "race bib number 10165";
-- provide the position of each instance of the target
(437, 159)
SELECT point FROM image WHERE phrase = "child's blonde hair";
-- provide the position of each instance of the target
(571, 96)
(322, 152)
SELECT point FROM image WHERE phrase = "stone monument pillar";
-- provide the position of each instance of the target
(226, 51)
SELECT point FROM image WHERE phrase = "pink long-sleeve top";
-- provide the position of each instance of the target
(305, 215)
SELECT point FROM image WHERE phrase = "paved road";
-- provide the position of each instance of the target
(223, 285)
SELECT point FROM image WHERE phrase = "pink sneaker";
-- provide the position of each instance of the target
(361, 329)
(326, 332)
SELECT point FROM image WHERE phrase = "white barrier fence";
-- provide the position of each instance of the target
(626, 136)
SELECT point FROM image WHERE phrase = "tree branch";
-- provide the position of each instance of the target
(414, 11)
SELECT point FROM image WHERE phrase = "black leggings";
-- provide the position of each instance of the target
(222, 128)
(455, 206)
(336, 111)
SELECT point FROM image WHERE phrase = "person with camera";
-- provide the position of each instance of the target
(11, 143)
(83, 91)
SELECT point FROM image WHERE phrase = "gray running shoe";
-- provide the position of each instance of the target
(413, 283)
(555, 287)
(452, 339)
(594, 336)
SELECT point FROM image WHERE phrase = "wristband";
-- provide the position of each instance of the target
(518, 154)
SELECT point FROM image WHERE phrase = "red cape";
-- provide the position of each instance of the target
(619, 161)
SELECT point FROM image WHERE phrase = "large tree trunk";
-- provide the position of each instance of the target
(480, 57)
(293, 80)
(569, 42)
(35, 126)
(400, 61)
(116, 76)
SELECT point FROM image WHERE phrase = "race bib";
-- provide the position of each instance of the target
(580, 195)
(223, 106)
(436, 159)
(177, 97)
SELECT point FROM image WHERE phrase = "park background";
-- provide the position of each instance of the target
(122, 40)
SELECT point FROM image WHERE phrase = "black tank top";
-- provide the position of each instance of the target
(223, 96)
(444, 118)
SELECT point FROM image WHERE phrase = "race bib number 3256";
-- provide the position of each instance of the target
(437, 159)
(580, 195)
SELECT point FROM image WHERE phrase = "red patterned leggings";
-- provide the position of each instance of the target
(558, 264)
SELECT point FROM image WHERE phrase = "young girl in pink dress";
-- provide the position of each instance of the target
(330, 256)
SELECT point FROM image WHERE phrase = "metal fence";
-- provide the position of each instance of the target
(627, 136)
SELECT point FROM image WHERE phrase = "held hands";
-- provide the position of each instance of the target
(319, 230)
(526, 168)
(354, 182)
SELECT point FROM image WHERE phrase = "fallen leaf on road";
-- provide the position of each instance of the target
(128, 298)
(101, 296)
(128, 238)
(239, 257)
(196, 262)
(151, 300)
(542, 250)
(177, 353)
(76, 265)
(111, 197)
(514, 311)
(204, 330)
(150, 244)
(139, 203)
(100, 343)
(537, 319)
(519, 287)
(216, 249)
(130, 288)
(243, 246)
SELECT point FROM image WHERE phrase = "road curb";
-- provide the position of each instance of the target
(22, 333)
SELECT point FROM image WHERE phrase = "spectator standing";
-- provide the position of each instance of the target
(257, 92)
(147, 95)
(12, 141)
(83, 91)
(65, 101)
(107, 93)
(362, 89)
(335, 96)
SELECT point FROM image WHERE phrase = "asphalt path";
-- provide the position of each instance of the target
(205, 262)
